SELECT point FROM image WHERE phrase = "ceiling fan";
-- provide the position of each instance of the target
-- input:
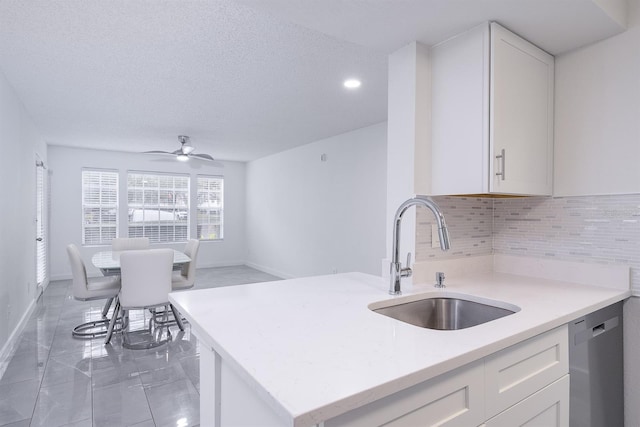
(184, 152)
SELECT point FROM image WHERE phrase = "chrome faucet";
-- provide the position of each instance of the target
(397, 271)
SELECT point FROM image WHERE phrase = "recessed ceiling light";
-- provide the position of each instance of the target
(352, 83)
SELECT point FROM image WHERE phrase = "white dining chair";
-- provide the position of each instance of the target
(185, 277)
(129, 243)
(146, 283)
(85, 290)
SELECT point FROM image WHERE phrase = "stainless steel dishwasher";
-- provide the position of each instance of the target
(596, 369)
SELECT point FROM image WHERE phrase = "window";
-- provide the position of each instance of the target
(99, 207)
(158, 206)
(210, 207)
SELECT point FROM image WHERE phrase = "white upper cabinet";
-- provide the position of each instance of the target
(492, 115)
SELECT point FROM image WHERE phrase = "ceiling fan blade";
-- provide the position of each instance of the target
(203, 157)
(157, 152)
(210, 160)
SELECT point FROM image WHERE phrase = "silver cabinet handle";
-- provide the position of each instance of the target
(501, 156)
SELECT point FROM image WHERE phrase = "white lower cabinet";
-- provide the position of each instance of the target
(519, 371)
(526, 384)
(452, 399)
(548, 407)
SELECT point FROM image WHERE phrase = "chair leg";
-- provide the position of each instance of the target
(94, 328)
(107, 306)
(177, 316)
(113, 321)
(165, 323)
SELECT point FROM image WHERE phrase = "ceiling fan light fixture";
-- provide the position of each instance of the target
(185, 151)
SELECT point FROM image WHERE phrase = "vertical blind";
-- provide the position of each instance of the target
(99, 206)
(41, 245)
(158, 206)
(210, 207)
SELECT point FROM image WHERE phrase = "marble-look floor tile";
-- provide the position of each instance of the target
(168, 374)
(147, 423)
(152, 362)
(49, 354)
(111, 358)
(191, 367)
(17, 401)
(63, 404)
(65, 368)
(176, 403)
(82, 423)
(120, 404)
(114, 375)
(23, 367)
(64, 343)
(28, 346)
(40, 332)
(23, 423)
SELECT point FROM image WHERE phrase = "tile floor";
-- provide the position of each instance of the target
(56, 380)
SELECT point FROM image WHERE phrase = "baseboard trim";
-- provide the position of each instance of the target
(7, 350)
(268, 270)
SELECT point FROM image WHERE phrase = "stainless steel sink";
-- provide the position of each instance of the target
(445, 313)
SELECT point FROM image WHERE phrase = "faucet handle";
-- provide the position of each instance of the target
(406, 271)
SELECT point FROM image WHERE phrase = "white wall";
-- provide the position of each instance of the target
(597, 131)
(597, 146)
(409, 137)
(19, 142)
(307, 217)
(65, 166)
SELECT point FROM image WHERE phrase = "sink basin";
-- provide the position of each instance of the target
(445, 313)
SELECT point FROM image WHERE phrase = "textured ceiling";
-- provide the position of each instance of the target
(243, 78)
(132, 75)
(554, 25)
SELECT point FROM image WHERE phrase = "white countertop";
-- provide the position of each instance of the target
(313, 350)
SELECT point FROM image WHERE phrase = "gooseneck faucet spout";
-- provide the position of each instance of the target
(397, 271)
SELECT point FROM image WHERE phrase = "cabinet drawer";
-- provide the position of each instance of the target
(451, 399)
(547, 408)
(519, 371)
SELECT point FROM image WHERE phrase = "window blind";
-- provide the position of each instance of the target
(158, 207)
(210, 207)
(99, 206)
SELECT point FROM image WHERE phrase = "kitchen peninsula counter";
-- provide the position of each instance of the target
(310, 349)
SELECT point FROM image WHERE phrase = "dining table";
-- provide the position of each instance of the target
(109, 261)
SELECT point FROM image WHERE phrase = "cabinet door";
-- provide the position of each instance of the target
(518, 371)
(460, 113)
(521, 116)
(547, 408)
(454, 399)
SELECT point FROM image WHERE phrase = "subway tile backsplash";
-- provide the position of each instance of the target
(590, 229)
(470, 223)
